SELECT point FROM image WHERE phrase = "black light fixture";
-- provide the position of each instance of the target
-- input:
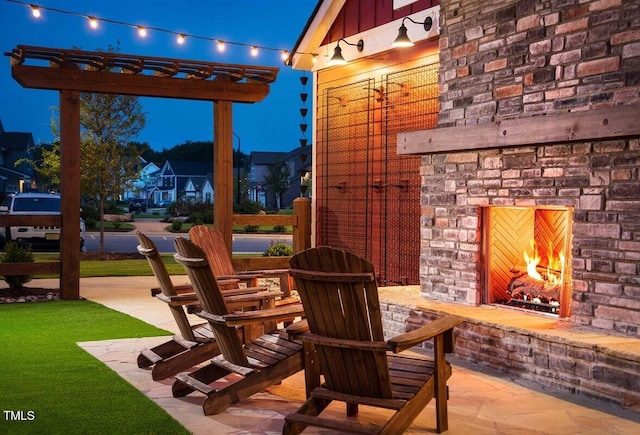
(403, 39)
(337, 58)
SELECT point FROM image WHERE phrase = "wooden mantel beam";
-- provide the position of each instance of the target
(601, 124)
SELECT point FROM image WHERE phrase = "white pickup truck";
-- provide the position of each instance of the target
(33, 203)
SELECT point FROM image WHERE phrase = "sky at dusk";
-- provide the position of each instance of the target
(270, 125)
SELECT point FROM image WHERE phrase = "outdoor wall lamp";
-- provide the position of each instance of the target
(403, 39)
(337, 58)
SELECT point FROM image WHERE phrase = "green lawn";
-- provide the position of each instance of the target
(60, 388)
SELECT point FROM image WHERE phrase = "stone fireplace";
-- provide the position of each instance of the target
(594, 183)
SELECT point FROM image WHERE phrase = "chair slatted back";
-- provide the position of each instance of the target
(205, 285)
(212, 242)
(340, 299)
(148, 248)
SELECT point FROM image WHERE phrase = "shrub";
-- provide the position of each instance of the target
(14, 253)
(176, 225)
(249, 207)
(251, 228)
(278, 228)
(278, 249)
(91, 222)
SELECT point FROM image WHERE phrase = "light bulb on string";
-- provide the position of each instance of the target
(142, 32)
(93, 22)
(254, 51)
(181, 37)
(221, 46)
(35, 11)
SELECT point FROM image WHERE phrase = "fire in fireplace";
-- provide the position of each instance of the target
(526, 258)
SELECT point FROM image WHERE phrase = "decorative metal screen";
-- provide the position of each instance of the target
(368, 197)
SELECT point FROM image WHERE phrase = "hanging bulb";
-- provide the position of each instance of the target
(93, 22)
(284, 55)
(181, 38)
(142, 32)
(35, 11)
(221, 46)
(254, 51)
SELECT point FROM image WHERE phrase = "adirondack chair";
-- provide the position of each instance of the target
(343, 321)
(254, 366)
(195, 343)
(212, 242)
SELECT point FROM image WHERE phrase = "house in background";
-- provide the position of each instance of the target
(145, 185)
(184, 179)
(260, 163)
(13, 147)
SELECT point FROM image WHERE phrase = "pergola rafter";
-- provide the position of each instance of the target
(71, 72)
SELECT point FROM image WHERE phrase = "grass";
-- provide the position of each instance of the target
(66, 389)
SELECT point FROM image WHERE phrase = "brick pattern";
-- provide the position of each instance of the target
(552, 363)
(600, 181)
(509, 59)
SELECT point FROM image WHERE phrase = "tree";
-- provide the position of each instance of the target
(277, 180)
(109, 161)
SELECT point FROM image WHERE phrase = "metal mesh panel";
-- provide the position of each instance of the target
(411, 98)
(368, 197)
(343, 168)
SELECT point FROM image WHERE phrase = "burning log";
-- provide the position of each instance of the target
(522, 286)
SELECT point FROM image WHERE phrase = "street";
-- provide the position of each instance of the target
(127, 242)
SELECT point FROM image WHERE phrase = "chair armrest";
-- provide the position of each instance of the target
(178, 300)
(432, 329)
(297, 328)
(252, 297)
(242, 291)
(183, 288)
(260, 316)
(323, 340)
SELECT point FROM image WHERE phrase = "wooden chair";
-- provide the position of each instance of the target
(194, 344)
(340, 297)
(254, 366)
(212, 242)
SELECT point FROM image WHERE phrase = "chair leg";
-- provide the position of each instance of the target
(312, 407)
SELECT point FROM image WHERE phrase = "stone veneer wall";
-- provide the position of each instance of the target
(506, 59)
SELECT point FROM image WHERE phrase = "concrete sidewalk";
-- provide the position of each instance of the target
(480, 402)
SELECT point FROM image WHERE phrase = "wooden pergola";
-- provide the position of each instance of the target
(71, 72)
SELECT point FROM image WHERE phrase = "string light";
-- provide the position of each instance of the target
(36, 11)
(93, 22)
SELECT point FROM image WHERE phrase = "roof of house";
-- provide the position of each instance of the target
(183, 168)
(266, 157)
(15, 141)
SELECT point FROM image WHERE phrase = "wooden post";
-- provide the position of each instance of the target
(223, 170)
(302, 231)
(70, 194)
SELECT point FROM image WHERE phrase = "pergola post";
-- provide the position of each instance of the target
(223, 170)
(70, 194)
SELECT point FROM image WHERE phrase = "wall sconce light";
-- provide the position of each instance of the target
(337, 58)
(403, 39)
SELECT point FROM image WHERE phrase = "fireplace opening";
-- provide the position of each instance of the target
(526, 260)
